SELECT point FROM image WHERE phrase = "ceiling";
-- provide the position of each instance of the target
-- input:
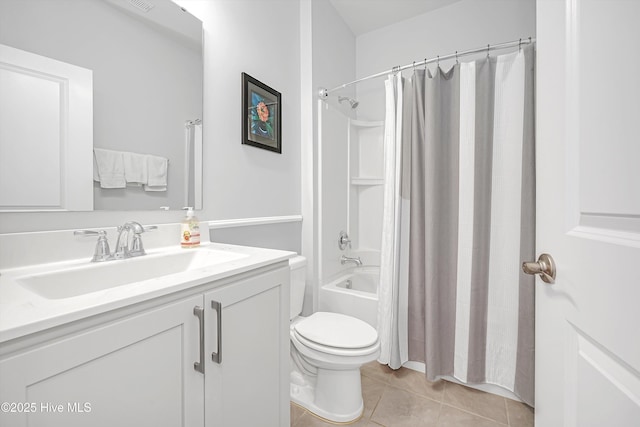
(363, 16)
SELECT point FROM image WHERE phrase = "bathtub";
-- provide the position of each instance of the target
(355, 293)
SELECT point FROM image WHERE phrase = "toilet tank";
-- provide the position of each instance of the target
(297, 265)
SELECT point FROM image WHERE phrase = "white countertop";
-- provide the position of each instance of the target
(23, 312)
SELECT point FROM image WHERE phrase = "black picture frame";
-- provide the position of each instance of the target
(261, 115)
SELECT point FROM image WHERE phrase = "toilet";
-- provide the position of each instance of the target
(327, 351)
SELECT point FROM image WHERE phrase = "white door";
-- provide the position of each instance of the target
(588, 210)
(46, 133)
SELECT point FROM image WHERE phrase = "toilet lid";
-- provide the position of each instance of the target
(337, 330)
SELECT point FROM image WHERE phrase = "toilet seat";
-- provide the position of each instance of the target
(336, 334)
(335, 351)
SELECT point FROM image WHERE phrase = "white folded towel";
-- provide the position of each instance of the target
(157, 168)
(155, 188)
(110, 168)
(135, 167)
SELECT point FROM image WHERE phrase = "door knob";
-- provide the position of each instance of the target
(545, 267)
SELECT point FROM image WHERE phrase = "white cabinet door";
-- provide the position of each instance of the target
(588, 210)
(137, 371)
(250, 384)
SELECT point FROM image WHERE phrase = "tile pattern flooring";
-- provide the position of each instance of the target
(405, 398)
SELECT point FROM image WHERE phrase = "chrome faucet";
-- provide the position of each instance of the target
(128, 245)
(345, 259)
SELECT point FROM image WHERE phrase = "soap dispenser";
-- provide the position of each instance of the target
(190, 230)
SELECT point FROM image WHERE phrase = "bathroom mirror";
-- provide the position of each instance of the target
(146, 62)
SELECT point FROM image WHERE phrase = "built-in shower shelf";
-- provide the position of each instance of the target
(366, 181)
(366, 123)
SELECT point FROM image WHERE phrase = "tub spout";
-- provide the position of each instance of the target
(345, 259)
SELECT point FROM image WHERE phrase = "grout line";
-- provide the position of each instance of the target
(474, 414)
(377, 402)
(418, 394)
(442, 398)
(506, 409)
(454, 405)
(439, 414)
(376, 378)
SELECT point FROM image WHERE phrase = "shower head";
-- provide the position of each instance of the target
(352, 102)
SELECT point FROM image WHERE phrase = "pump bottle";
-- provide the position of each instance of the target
(190, 230)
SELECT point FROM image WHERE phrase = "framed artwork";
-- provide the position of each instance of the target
(261, 115)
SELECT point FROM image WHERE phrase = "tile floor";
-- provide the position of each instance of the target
(405, 398)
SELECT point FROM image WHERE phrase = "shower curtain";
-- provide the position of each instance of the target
(471, 222)
(394, 252)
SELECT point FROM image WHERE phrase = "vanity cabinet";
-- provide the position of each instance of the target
(250, 384)
(136, 371)
(139, 369)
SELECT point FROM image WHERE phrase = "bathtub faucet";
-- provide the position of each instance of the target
(345, 259)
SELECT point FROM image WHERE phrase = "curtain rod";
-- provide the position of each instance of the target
(324, 92)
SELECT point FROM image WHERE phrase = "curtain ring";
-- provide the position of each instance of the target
(520, 45)
(487, 51)
(457, 57)
(425, 64)
(438, 61)
(414, 66)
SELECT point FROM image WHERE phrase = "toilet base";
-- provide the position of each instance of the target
(335, 396)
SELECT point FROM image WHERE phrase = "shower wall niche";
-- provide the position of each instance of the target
(365, 178)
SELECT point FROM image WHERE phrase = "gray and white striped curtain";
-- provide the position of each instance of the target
(471, 309)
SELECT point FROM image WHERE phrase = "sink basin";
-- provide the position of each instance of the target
(93, 277)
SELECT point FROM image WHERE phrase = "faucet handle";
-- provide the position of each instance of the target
(343, 240)
(102, 251)
(137, 249)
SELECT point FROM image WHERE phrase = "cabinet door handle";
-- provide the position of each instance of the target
(216, 356)
(199, 312)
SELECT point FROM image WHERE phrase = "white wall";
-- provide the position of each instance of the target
(143, 82)
(334, 53)
(327, 59)
(466, 24)
(460, 26)
(260, 38)
(240, 181)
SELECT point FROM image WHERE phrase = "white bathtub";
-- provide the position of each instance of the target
(355, 294)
